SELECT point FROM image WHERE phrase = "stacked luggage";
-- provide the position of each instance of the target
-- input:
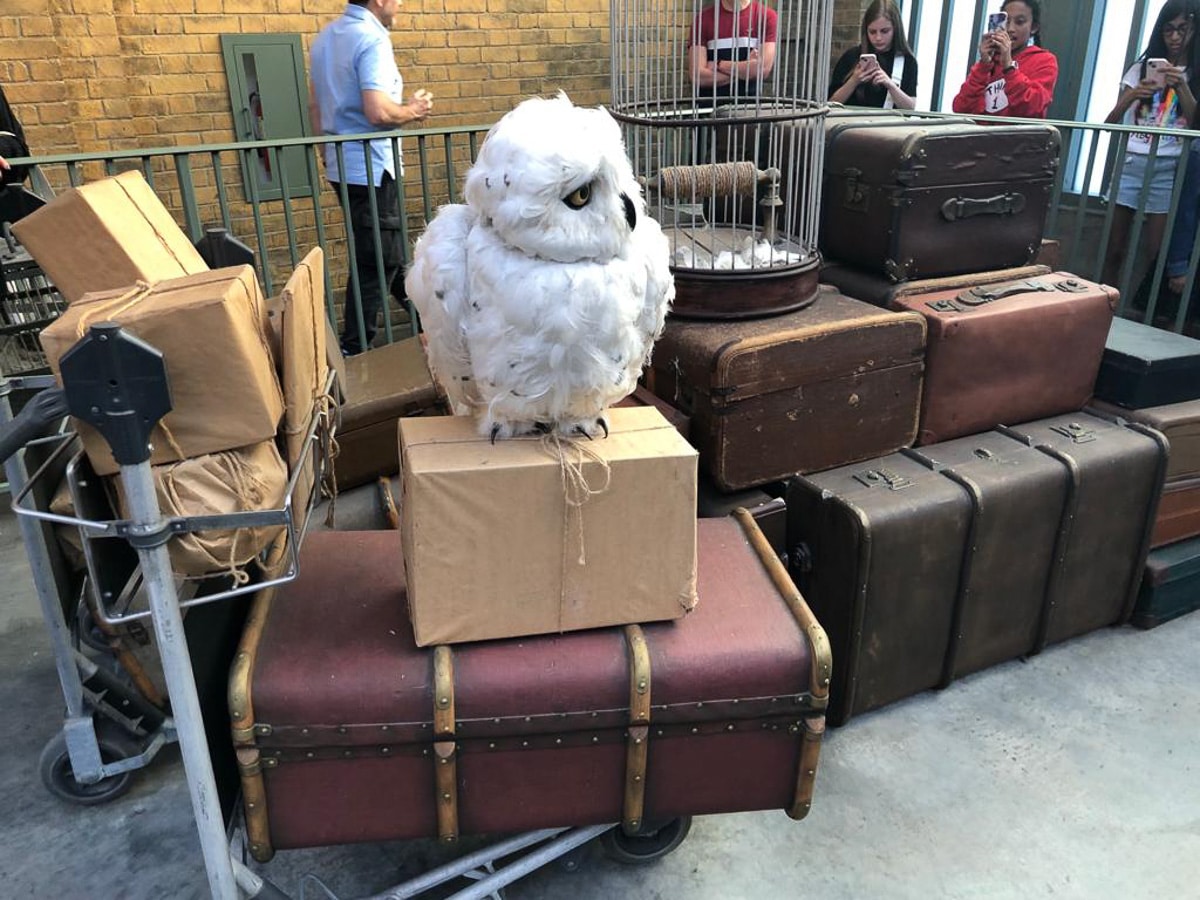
(1152, 377)
(950, 503)
(589, 687)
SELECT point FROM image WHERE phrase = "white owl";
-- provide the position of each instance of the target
(543, 295)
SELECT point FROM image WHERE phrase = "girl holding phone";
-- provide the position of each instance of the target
(1014, 76)
(1159, 90)
(880, 70)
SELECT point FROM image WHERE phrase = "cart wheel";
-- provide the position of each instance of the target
(55, 767)
(647, 846)
(90, 633)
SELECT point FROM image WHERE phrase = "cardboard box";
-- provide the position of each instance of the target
(209, 328)
(105, 235)
(493, 548)
(304, 366)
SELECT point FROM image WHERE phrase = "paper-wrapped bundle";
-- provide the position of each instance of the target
(243, 480)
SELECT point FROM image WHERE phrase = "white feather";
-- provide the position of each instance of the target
(540, 312)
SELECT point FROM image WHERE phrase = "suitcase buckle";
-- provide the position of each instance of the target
(943, 305)
(1078, 434)
(855, 198)
(883, 477)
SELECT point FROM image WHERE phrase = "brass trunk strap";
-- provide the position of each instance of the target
(443, 692)
(637, 745)
(447, 791)
(254, 804)
(241, 672)
(812, 730)
(444, 750)
(818, 641)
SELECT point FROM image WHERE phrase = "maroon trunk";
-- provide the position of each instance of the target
(821, 387)
(1009, 352)
(348, 732)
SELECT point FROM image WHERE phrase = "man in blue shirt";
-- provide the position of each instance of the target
(356, 88)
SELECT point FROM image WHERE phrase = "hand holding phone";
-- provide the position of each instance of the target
(1156, 71)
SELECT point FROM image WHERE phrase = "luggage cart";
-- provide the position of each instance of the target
(107, 376)
(116, 718)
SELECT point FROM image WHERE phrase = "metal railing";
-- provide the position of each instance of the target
(221, 185)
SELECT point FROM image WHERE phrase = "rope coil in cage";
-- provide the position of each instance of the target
(729, 179)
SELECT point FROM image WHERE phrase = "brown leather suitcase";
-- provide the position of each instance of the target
(643, 396)
(821, 387)
(766, 505)
(379, 386)
(346, 731)
(1180, 422)
(920, 201)
(871, 287)
(1178, 513)
(1009, 352)
(938, 561)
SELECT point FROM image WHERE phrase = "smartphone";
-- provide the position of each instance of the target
(997, 21)
(866, 59)
(1155, 73)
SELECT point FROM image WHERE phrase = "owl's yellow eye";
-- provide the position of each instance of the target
(579, 198)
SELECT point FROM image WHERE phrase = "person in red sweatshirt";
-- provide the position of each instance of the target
(1014, 76)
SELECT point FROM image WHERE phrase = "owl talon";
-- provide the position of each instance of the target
(603, 425)
(495, 432)
(579, 429)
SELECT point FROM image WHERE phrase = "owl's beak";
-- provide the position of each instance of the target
(630, 212)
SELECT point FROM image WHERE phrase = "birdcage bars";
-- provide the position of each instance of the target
(731, 168)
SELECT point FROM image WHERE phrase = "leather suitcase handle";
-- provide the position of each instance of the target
(1006, 204)
(984, 294)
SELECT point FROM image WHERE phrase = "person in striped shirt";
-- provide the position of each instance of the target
(731, 50)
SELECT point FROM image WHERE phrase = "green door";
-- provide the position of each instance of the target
(269, 98)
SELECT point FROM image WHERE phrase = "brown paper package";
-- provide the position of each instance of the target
(493, 548)
(105, 235)
(209, 327)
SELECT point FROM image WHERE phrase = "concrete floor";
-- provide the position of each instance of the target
(1075, 774)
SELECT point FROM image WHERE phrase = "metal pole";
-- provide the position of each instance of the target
(144, 515)
(85, 755)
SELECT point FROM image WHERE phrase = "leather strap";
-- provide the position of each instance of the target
(638, 740)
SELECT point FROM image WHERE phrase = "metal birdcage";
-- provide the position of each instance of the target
(731, 166)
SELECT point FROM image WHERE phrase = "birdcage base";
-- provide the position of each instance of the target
(730, 272)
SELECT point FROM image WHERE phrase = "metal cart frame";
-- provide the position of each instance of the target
(108, 353)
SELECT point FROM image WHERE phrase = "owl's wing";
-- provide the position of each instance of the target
(660, 283)
(437, 284)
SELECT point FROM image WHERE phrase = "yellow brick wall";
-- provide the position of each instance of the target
(91, 76)
(95, 75)
(847, 23)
